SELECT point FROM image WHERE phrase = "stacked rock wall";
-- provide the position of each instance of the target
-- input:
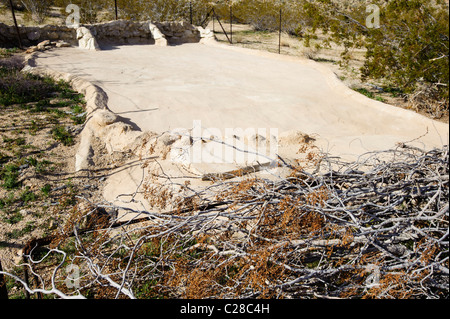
(34, 35)
(110, 33)
(122, 32)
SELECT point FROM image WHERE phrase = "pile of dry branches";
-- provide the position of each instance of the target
(374, 228)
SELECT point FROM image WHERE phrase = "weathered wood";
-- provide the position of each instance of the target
(235, 173)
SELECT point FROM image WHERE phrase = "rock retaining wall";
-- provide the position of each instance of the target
(34, 35)
(101, 123)
(109, 33)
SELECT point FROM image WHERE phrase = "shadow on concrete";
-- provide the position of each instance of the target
(128, 122)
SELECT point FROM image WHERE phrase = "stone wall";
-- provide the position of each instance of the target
(182, 32)
(131, 32)
(34, 35)
(121, 32)
(109, 33)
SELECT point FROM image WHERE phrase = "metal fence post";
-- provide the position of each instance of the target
(190, 11)
(223, 29)
(15, 24)
(3, 290)
(117, 14)
(231, 23)
(279, 34)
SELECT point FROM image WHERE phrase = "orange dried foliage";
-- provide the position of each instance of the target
(158, 196)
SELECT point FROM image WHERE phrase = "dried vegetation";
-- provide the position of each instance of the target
(375, 228)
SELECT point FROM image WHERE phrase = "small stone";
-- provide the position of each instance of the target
(104, 118)
(31, 50)
(42, 46)
(24, 212)
(33, 35)
(62, 44)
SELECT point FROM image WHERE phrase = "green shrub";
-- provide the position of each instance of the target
(408, 52)
(411, 47)
(27, 196)
(10, 175)
(18, 88)
(38, 9)
(46, 190)
(60, 134)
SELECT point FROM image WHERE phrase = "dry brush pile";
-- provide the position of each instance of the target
(374, 228)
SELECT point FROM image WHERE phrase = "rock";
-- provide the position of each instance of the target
(86, 40)
(53, 36)
(25, 212)
(83, 158)
(33, 35)
(31, 49)
(168, 139)
(62, 44)
(104, 118)
(157, 35)
(43, 45)
(205, 35)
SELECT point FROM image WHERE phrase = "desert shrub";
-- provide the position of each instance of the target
(61, 134)
(90, 11)
(18, 87)
(157, 10)
(408, 51)
(411, 48)
(37, 8)
(264, 15)
(17, 4)
(11, 61)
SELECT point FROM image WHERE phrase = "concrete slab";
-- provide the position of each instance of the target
(219, 87)
(164, 88)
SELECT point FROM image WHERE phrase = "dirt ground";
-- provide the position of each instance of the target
(49, 186)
